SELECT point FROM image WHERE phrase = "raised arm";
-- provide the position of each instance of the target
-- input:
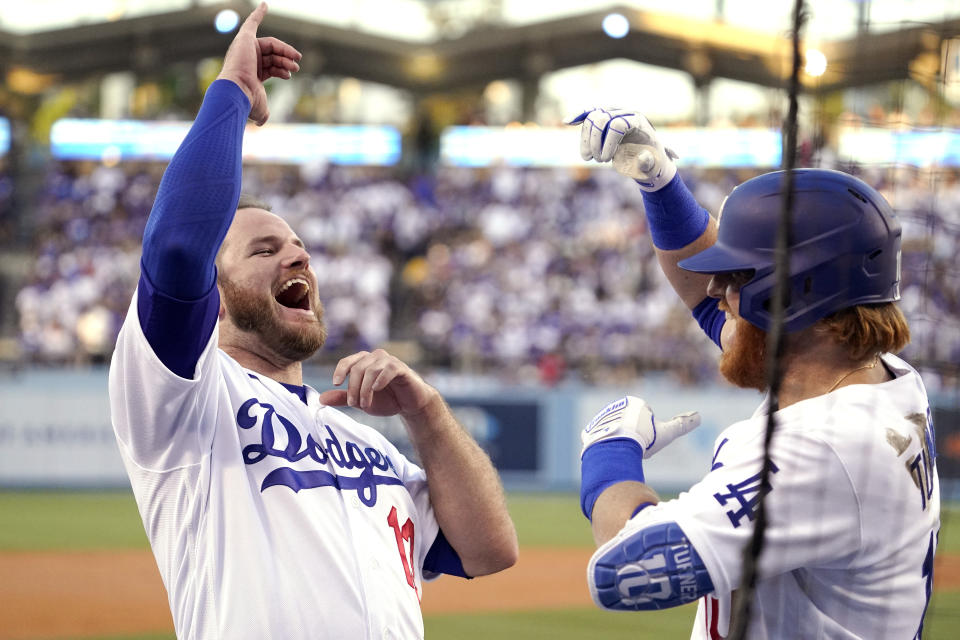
(679, 226)
(465, 490)
(177, 301)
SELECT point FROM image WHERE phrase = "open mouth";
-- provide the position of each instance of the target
(294, 294)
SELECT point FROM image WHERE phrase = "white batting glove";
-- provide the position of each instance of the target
(631, 417)
(627, 138)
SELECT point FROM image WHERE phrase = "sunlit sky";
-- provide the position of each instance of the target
(410, 19)
(661, 93)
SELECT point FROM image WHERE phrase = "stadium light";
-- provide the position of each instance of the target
(816, 63)
(226, 21)
(616, 25)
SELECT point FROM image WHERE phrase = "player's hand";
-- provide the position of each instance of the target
(250, 61)
(627, 138)
(631, 417)
(379, 384)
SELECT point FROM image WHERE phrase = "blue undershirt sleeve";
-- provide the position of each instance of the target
(197, 196)
(193, 209)
(177, 330)
(442, 558)
(710, 318)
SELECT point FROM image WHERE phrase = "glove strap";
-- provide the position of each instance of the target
(674, 216)
(606, 463)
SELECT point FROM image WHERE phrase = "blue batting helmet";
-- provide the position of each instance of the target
(844, 246)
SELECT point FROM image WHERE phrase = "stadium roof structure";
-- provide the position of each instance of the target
(704, 48)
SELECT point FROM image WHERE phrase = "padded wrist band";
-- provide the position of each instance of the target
(674, 216)
(605, 464)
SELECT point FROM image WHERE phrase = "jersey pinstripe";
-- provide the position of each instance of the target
(854, 512)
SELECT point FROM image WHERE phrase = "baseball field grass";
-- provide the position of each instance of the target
(549, 525)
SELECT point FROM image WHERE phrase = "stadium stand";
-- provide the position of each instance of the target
(494, 270)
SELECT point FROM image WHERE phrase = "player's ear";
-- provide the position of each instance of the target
(222, 312)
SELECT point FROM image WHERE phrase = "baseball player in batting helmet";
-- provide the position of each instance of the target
(853, 503)
(271, 513)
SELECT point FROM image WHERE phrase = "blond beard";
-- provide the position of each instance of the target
(744, 363)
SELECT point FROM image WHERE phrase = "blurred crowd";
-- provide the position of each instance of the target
(529, 274)
(6, 201)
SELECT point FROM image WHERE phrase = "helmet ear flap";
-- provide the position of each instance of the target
(871, 265)
(756, 300)
(800, 299)
(768, 303)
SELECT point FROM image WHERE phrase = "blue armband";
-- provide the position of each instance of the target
(649, 568)
(605, 464)
(710, 318)
(674, 216)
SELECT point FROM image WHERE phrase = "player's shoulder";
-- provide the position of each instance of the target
(852, 417)
(231, 367)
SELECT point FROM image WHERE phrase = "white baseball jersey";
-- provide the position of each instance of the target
(854, 512)
(268, 517)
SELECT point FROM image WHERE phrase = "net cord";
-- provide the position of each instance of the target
(743, 597)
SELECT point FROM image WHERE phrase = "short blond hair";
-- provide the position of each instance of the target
(869, 329)
(246, 201)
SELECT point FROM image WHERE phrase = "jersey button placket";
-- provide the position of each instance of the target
(352, 512)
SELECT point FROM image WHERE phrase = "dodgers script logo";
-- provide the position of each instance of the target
(346, 456)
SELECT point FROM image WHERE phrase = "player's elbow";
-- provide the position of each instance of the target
(647, 568)
(507, 555)
(496, 556)
(171, 252)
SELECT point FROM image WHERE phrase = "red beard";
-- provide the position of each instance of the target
(744, 363)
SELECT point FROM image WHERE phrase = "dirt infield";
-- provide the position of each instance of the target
(72, 594)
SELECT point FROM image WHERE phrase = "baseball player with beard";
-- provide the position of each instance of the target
(853, 506)
(271, 513)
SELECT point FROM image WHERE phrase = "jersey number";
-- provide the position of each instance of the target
(927, 573)
(404, 537)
